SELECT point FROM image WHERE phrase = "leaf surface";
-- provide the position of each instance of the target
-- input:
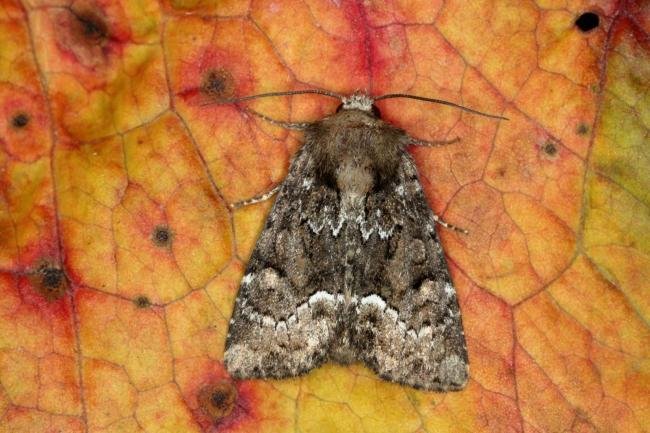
(120, 258)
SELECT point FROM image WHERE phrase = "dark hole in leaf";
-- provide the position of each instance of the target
(587, 21)
(162, 236)
(20, 120)
(582, 129)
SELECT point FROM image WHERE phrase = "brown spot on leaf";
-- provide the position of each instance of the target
(549, 148)
(90, 27)
(20, 120)
(83, 32)
(50, 282)
(142, 302)
(218, 83)
(162, 236)
(582, 129)
(217, 400)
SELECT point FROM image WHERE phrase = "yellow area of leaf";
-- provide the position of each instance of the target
(220, 8)
(117, 166)
(121, 396)
(129, 337)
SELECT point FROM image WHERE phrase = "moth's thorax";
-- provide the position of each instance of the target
(353, 118)
(355, 151)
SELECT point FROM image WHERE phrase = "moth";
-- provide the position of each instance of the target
(349, 266)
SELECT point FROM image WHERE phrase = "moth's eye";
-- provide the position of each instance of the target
(339, 108)
(376, 112)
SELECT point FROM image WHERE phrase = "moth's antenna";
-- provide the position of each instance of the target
(439, 101)
(267, 95)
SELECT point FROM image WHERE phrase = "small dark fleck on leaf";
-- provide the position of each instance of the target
(582, 129)
(52, 277)
(20, 120)
(587, 21)
(142, 302)
(50, 282)
(162, 236)
(91, 26)
(549, 148)
(218, 83)
(217, 400)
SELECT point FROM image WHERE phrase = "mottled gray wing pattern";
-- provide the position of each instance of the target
(369, 283)
(407, 325)
(289, 301)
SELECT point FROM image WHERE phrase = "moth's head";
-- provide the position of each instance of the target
(360, 102)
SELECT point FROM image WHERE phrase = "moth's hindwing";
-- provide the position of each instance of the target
(329, 281)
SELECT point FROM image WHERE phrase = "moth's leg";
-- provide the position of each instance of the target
(446, 225)
(418, 142)
(300, 126)
(258, 198)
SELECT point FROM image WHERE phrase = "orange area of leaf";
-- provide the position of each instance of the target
(120, 258)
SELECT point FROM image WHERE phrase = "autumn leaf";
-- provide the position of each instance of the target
(120, 258)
